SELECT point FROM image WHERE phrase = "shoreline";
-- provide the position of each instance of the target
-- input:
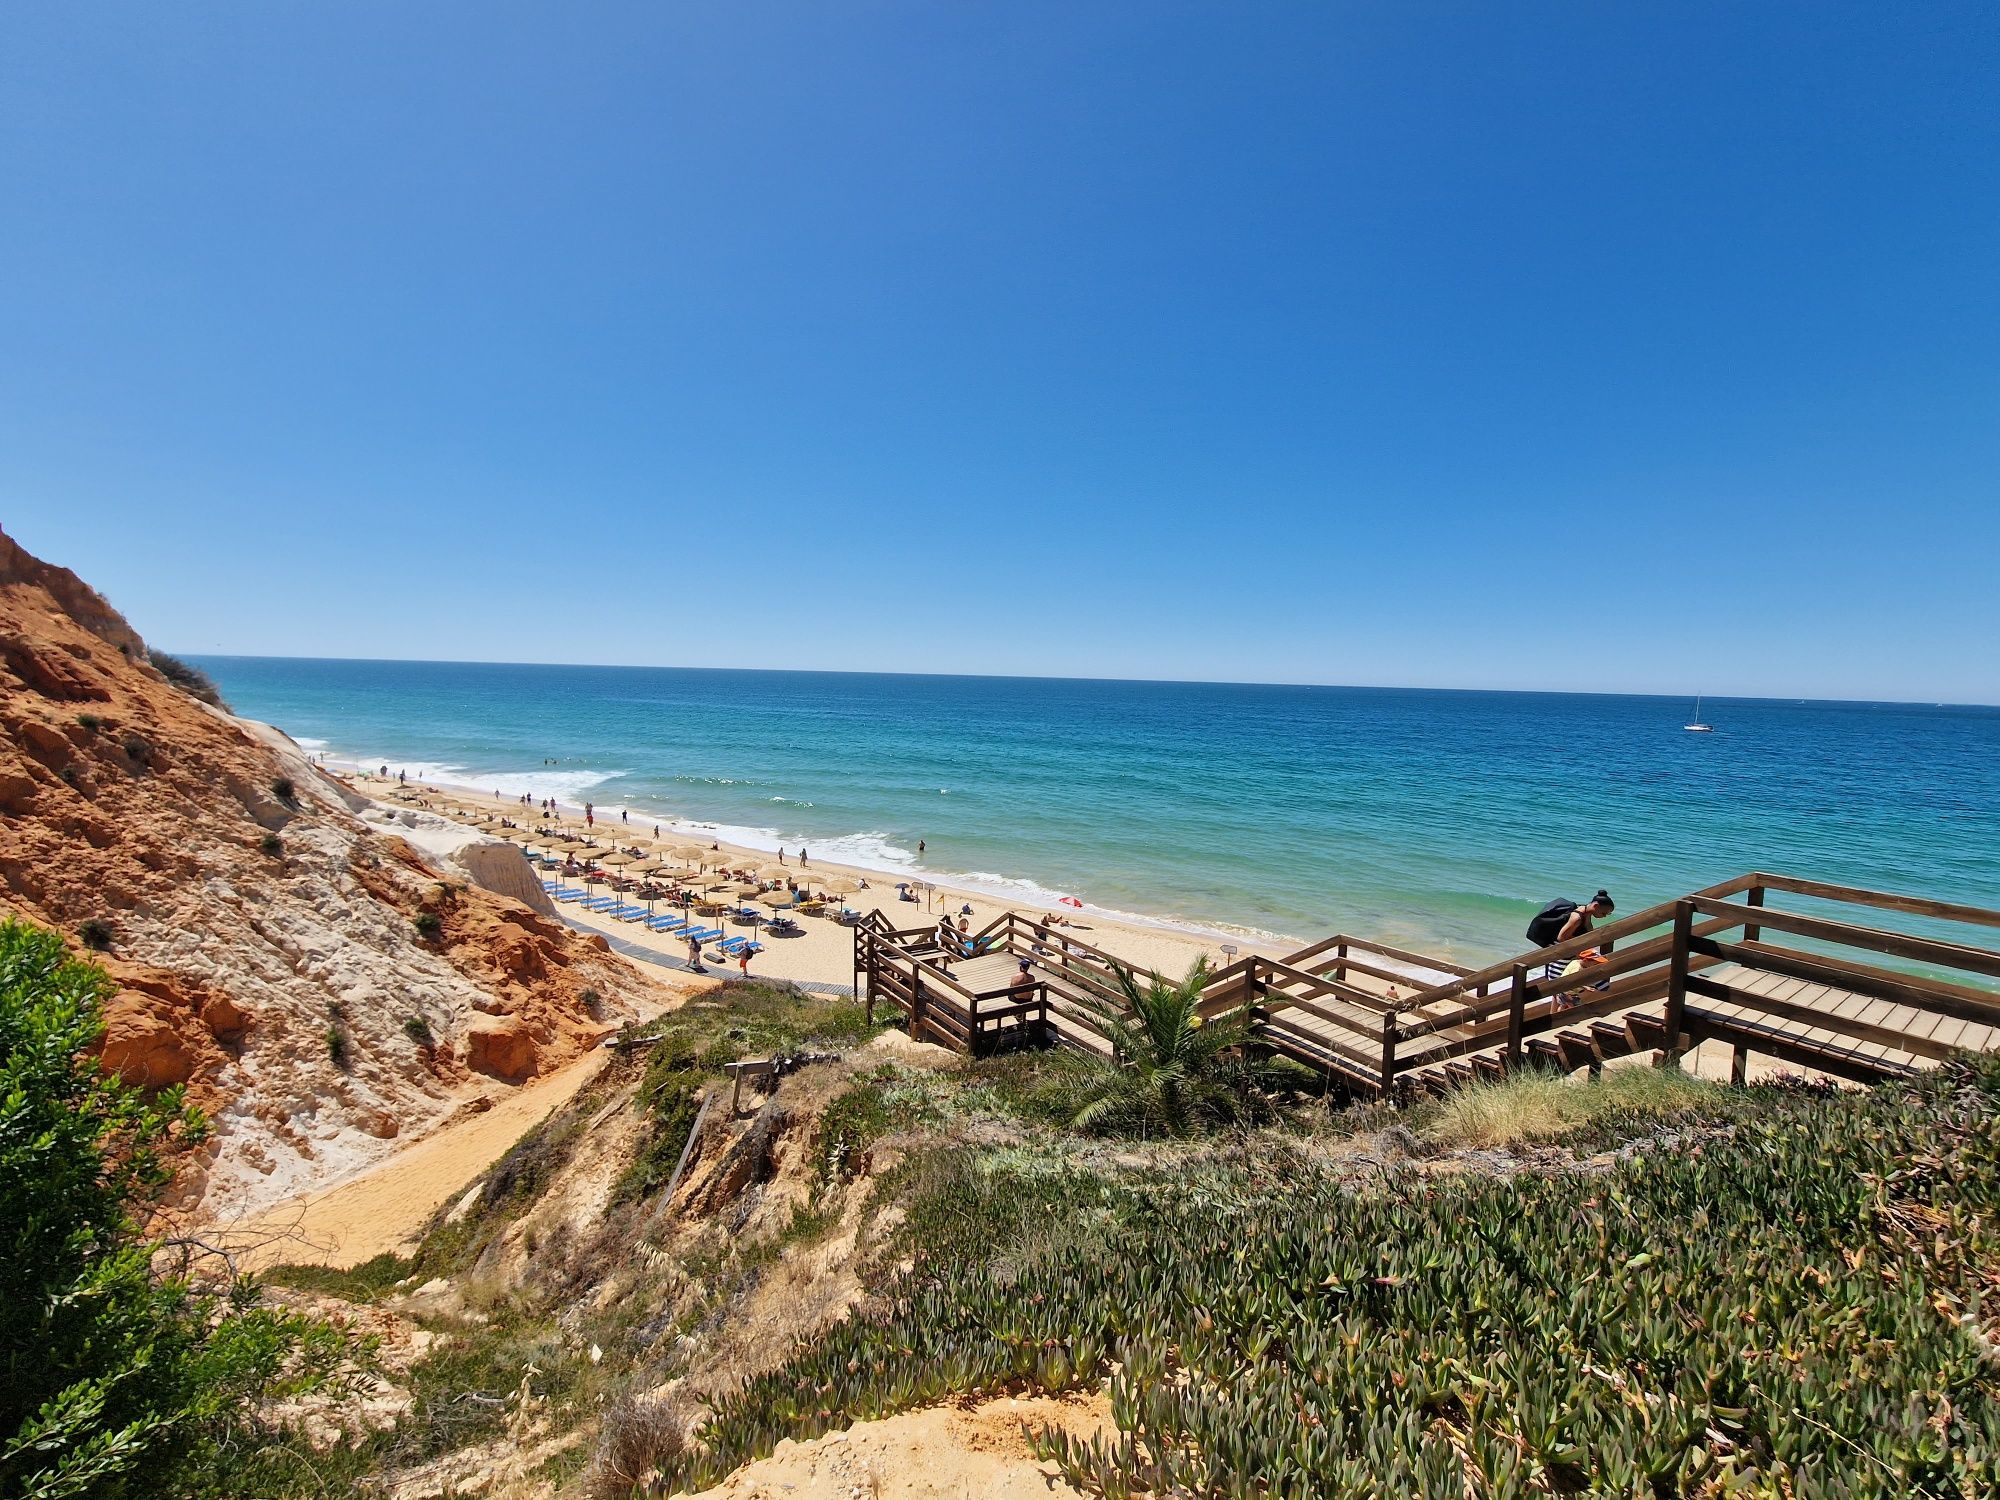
(821, 956)
(1018, 893)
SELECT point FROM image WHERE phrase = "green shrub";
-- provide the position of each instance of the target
(284, 791)
(419, 1031)
(119, 1374)
(138, 749)
(271, 845)
(94, 934)
(429, 925)
(336, 1047)
(90, 722)
(189, 678)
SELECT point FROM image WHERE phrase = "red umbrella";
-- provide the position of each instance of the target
(1068, 901)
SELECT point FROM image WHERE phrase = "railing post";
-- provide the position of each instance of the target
(916, 1000)
(1677, 978)
(1754, 897)
(1388, 1054)
(1517, 1014)
(1340, 968)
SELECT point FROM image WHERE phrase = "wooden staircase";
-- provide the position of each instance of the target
(1386, 1022)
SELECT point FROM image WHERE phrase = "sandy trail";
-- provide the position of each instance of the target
(940, 1453)
(385, 1208)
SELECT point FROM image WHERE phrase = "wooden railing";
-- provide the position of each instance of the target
(1326, 1004)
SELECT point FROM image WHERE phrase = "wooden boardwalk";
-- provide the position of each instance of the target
(1386, 1021)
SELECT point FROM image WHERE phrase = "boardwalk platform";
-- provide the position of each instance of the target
(1855, 1000)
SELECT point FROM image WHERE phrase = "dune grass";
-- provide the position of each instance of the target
(1539, 1106)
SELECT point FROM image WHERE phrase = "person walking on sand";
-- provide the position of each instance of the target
(694, 956)
(802, 855)
(743, 960)
(1563, 919)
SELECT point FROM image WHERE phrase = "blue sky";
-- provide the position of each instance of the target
(1648, 347)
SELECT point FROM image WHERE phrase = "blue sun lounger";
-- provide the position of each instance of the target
(602, 903)
(668, 924)
(734, 947)
(569, 893)
(629, 913)
(700, 934)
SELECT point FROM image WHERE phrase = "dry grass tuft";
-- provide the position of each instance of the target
(1533, 1106)
(638, 1435)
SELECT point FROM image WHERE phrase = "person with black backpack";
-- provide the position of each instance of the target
(1562, 920)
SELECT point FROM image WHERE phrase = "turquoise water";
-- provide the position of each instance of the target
(1439, 819)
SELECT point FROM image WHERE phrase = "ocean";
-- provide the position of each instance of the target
(1433, 819)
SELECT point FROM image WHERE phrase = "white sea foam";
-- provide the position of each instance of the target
(564, 786)
(872, 851)
(307, 742)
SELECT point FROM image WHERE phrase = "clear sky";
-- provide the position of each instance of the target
(1630, 346)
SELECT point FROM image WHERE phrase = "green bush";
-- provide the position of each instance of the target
(271, 845)
(138, 749)
(189, 678)
(284, 791)
(429, 925)
(419, 1031)
(336, 1047)
(91, 723)
(94, 934)
(117, 1378)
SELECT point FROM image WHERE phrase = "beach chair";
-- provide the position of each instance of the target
(602, 903)
(735, 947)
(570, 893)
(702, 934)
(666, 923)
(630, 913)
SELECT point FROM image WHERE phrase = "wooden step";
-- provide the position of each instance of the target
(1546, 1051)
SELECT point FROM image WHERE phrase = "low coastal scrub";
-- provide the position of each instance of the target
(189, 678)
(689, 1048)
(1795, 1306)
(123, 1370)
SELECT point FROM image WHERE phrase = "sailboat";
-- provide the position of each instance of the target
(1697, 727)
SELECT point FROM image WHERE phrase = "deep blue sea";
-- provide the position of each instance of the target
(1438, 819)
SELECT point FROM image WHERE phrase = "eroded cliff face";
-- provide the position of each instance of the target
(316, 982)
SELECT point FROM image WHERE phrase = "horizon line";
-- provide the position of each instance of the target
(1378, 687)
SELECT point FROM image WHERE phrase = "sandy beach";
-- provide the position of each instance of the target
(820, 956)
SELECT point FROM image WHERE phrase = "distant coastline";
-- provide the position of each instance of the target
(1431, 819)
